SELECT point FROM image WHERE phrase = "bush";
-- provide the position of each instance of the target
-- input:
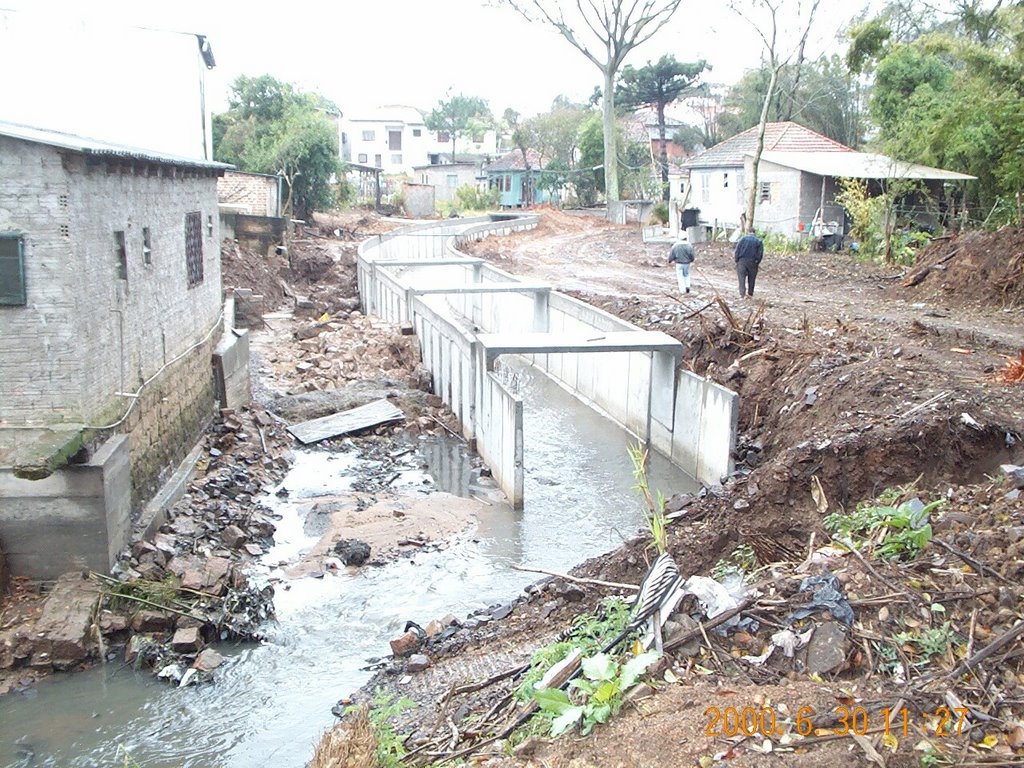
(660, 213)
(472, 198)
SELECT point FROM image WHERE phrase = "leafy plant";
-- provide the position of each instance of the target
(659, 213)
(471, 198)
(390, 745)
(892, 532)
(599, 693)
(743, 561)
(918, 647)
(654, 504)
(589, 633)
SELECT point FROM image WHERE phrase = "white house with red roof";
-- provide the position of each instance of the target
(797, 180)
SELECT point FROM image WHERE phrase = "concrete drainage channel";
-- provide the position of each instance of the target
(467, 314)
(529, 414)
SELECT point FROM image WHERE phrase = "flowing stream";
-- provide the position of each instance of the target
(271, 701)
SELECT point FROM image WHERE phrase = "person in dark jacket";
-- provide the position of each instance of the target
(749, 252)
(682, 256)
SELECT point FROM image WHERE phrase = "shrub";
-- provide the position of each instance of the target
(472, 198)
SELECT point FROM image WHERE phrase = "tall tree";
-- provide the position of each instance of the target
(459, 115)
(272, 127)
(771, 28)
(605, 32)
(658, 85)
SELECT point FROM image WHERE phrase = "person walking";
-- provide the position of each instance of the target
(682, 256)
(749, 252)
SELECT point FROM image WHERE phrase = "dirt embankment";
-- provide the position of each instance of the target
(851, 384)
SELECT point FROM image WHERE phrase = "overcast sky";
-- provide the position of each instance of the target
(359, 53)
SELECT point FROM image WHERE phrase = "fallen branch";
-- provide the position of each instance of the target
(576, 579)
(977, 565)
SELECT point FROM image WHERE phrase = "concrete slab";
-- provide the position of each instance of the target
(497, 344)
(63, 631)
(484, 288)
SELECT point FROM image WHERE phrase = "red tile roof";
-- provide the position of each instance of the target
(778, 137)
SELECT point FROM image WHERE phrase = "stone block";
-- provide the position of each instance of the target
(187, 640)
(152, 622)
(233, 537)
(64, 626)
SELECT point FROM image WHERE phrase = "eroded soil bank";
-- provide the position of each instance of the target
(856, 382)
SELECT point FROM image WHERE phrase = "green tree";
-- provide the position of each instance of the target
(272, 127)
(658, 85)
(605, 32)
(460, 115)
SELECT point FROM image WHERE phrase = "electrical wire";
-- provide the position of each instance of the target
(135, 396)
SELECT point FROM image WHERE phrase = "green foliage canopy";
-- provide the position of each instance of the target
(272, 127)
(460, 115)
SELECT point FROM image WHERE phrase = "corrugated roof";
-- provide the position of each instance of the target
(513, 161)
(100, 148)
(390, 113)
(859, 165)
(778, 137)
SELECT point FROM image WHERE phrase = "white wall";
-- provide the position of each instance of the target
(719, 193)
(128, 86)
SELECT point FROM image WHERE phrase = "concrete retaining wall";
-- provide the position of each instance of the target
(77, 518)
(684, 416)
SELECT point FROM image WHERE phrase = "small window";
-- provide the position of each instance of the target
(209, 226)
(443, 137)
(395, 141)
(417, 132)
(725, 179)
(376, 161)
(369, 135)
(766, 191)
(147, 246)
(705, 188)
(12, 269)
(396, 159)
(361, 158)
(194, 247)
(120, 255)
(452, 180)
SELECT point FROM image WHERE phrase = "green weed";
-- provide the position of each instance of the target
(742, 561)
(917, 646)
(589, 633)
(598, 693)
(891, 532)
(390, 745)
(654, 504)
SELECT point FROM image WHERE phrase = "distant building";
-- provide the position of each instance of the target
(255, 194)
(445, 179)
(516, 186)
(110, 311)
(797, 180)
(394, 138)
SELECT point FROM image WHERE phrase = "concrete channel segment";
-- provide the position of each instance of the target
(467, 313)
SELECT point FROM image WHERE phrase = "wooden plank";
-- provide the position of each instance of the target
(343, 422)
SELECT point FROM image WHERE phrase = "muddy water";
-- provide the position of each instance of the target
(271, 701)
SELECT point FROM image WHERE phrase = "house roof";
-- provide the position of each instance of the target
(778, 137)
(859, 165)
(390, 113)
(513, 161)
(98, 148)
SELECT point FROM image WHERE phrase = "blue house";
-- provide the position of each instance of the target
(517, 186)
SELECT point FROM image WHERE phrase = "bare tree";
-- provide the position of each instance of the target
(769, 28)
(604, 31)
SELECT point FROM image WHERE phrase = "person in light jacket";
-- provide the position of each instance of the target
(682, 256)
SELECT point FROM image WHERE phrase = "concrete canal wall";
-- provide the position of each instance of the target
(467, 313)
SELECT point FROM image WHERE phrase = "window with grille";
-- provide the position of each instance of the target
(705, 188)
(766, 191)
(12, 269)
(194, 247)
(147, 246)
(369, 135)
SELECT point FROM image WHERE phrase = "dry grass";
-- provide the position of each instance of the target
(1013, 372)
(349, 744)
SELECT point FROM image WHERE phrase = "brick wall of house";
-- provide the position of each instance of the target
(87, 336)
(254, 193)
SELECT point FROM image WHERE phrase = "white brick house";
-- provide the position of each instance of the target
(110, 295)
